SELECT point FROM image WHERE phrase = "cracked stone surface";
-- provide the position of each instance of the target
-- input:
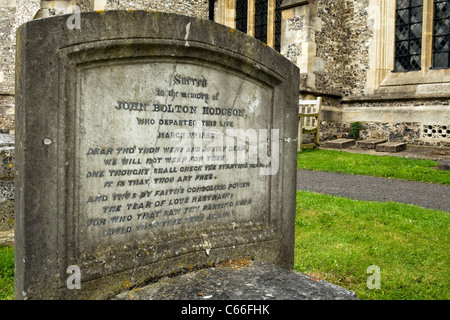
(253, 280)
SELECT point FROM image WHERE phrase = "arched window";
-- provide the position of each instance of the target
(408, 35)
(260, 19)
(414, 19)
(395, 45)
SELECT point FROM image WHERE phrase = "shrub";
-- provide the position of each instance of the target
(355, 128)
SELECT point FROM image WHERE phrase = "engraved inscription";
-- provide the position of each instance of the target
(158, 156)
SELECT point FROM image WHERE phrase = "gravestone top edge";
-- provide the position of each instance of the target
(141, 24)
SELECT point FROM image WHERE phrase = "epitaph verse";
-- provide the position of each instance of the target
(183, 151)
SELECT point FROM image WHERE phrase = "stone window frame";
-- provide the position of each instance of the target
(381, 17)
(225, 13)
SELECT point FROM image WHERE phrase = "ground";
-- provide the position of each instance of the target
(439, 154)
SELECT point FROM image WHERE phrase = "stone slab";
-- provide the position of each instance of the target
(340, 143)
(370, 144)
(241, 280)
(147, 144)
(392, 147)
(7, 140)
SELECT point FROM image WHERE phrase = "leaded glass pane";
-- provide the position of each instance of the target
(402, 33)
(441, 34)
(402, 17)
(415, 31)
(278, 25)
(401, 4)
(416, 14)
(441, 27)
(241, 15)
(408, 35)
(261, 20)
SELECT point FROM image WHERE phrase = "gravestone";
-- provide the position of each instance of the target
(148, 144)
(340, 143)
(370, 144)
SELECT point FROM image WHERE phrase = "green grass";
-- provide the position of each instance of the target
(337, 239)
(372, 165)
(6, 273)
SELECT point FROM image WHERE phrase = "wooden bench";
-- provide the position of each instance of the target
(308, 120)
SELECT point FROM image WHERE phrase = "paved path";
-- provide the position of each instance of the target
(428, 195)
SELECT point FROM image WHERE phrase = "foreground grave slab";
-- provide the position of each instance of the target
(240, 280)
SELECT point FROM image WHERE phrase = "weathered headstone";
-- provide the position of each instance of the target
(148, 144)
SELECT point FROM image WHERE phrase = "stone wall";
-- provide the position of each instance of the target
(415, 121)
(331, 46)
(7, 49)
(7, 54)
(357, 38)
(409, 132)
(195, 8)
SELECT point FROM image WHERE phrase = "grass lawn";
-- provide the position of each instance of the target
(337, 239)
(6, 273)
(372, 165)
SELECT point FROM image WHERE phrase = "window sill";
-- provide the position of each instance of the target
(398, 93)
(292, 3)
(430, 76)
